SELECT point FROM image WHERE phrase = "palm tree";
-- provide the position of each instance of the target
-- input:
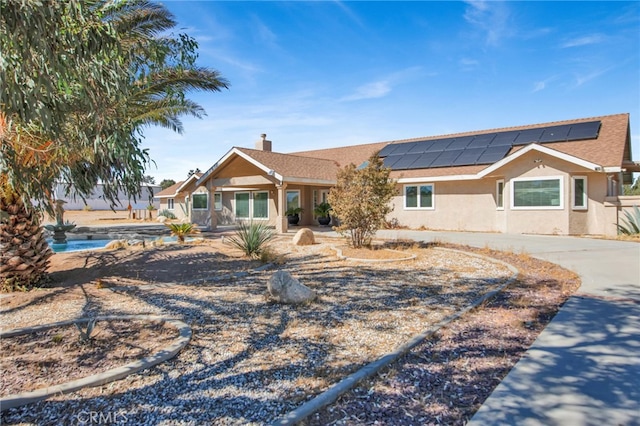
(160, 69)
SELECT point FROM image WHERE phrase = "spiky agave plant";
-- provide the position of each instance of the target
(181, 230)
(251, 238)
(630, 223)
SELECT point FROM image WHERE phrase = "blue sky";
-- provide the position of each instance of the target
(323, 74)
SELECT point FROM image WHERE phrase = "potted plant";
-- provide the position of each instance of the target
(322, 212)
(293, 215)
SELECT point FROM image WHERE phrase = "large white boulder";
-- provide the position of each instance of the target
(286, 289)
(304, 237)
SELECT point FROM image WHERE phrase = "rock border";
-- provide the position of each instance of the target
(20, 399)
(333, 393)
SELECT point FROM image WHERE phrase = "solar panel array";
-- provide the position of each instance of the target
(486, 148)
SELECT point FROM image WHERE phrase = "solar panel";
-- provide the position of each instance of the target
(421, 147)
(493, 154)
(505, 138)
(588, 130)
(439, 145)
(460, 143)
(402, 148)
(405, 162)
(387, 150)
(425, 160)
(528, 136)
(446, 158)
(391, 160)
(555, 134)
(484, 148)
(468, 157)
(482, 141)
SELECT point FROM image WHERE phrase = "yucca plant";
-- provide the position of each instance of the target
(181, 230)
(252, 238)
(85, 334)
(631, 223)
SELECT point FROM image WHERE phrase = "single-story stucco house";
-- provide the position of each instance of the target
(185, 200)
(562, 178)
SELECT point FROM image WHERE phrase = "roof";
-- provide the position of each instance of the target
(295, 165)
(610, 149)
(177, 187)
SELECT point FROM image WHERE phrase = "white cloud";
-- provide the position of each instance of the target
(492, 18)
(383, 86)
(583, 41)
(376, 89)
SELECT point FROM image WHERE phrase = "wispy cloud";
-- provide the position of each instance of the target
(376, 89)
(383, 86)
(491, 17)
(585, 78)
(583, 41)
(468, 64)
(264, 34)
(350, 13)
(541, 85)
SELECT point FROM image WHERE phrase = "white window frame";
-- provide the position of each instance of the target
(206, 194)
(217, 205)
(499, 195)
(170, 204)
(235, 200)
(251, 205)
(585, 192)
(417, 186)
(524, 179)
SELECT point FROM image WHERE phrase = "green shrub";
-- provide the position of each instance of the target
(252, 238)
(181, 230)
(631, 223)
(168, 214)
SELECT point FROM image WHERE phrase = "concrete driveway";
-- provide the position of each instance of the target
(584, 368)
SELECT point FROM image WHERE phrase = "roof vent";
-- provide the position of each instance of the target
(263, 144)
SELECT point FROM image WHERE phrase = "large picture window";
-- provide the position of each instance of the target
(537, 193)
(579, 193)
(260, 205)
(418, 196)
(200, 201)
(242, 205)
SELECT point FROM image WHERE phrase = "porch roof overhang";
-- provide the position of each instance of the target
(272, 173)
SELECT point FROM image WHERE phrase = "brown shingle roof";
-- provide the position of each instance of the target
(296, 166)
(343, 156)
(611, 148)
(170, 190)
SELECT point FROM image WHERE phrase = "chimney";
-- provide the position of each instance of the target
(263, 144)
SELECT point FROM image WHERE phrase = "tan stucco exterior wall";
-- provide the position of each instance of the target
(471, 204)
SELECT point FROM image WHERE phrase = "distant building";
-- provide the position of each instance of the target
(96, 200)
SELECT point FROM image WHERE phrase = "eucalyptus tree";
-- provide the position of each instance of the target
(80, 81)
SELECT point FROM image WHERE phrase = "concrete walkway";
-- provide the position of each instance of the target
(584, 368)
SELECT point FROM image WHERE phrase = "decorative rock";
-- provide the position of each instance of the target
(304, 237)
(115, 244)
(286, 289)
(161, 219)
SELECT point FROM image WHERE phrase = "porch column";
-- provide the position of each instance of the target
(212, 208)
(281, 205)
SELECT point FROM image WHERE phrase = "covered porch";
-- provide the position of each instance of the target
(260, 185)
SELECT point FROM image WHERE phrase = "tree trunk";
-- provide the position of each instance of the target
(24, 253)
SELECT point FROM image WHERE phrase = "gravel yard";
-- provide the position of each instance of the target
(252, 360)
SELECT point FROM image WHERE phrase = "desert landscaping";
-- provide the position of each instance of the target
(251, 359)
